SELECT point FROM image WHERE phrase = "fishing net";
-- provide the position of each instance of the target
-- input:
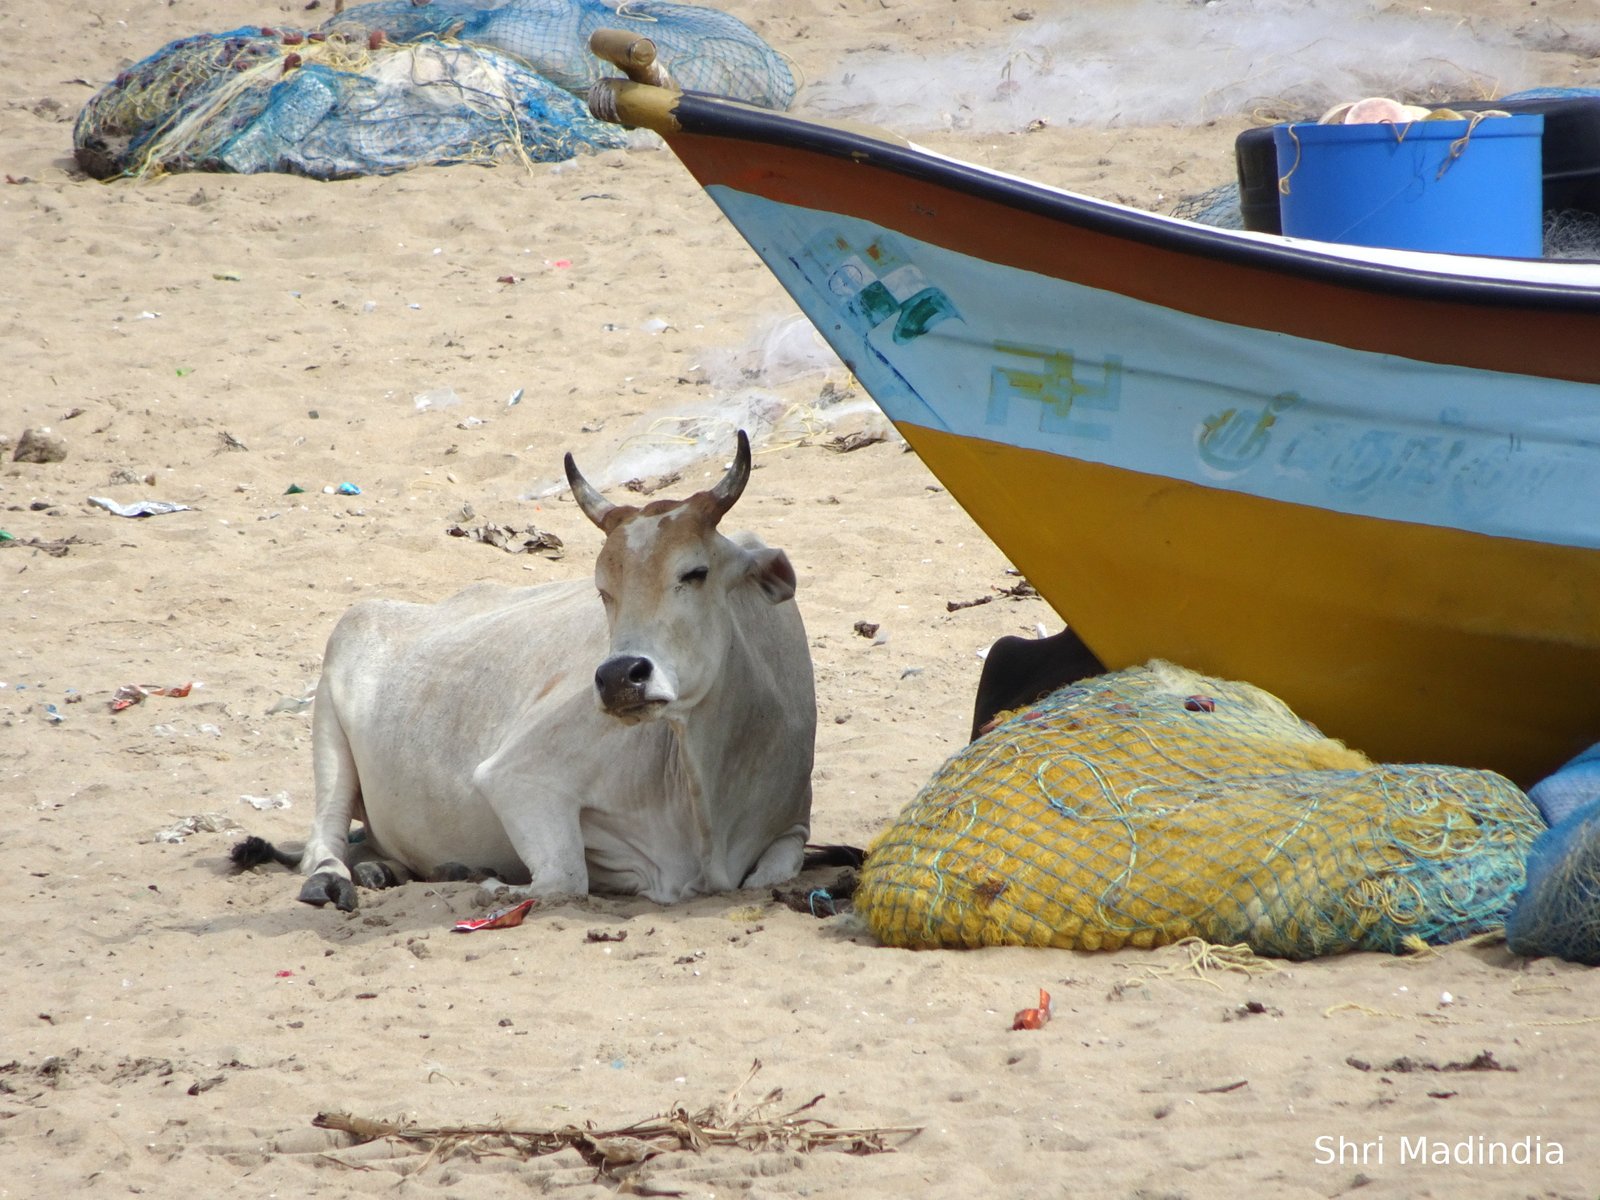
(1571, 233)
(702, 49)
(1217, 207)
(282, 100)
(452, 81)
(1559, 913)
(1574, 785)
(1155, 804)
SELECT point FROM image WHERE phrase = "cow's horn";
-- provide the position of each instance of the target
(595, 506)
(731, 486)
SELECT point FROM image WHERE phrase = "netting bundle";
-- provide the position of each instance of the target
(1155, 804)
(281, 100)
(1559, 913)
(702, 49)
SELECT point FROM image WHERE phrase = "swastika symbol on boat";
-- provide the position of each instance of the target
(1067, 390)
(1234, 438)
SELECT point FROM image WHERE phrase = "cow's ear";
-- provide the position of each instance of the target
(772, 573)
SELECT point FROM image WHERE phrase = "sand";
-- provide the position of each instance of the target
(171, 1028)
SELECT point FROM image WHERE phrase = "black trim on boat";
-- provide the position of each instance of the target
(716, 116)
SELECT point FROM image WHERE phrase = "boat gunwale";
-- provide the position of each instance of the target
(709, 115)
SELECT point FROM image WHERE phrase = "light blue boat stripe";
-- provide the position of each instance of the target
(954, 343)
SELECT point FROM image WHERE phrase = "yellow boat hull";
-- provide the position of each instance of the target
(1499, 635)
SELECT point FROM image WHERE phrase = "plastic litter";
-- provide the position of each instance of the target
(142, 508)
(130, 694)
(437, 398)
(268, 803)
(1034, 1018)
(529, 541)
(505, 918)
(199, 823)
(348, 489)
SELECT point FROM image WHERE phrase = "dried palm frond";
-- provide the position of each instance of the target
(617, 1152)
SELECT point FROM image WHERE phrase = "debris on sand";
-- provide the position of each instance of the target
(513, 541)
(620, 1152)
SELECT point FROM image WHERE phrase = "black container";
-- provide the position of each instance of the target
(1571, 157)
(1256, 154)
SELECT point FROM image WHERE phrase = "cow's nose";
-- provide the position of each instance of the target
(623, 671)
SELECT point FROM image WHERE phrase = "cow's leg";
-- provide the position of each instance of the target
(456, 872)
(543, 829)
(780, 861)
(327, 850)
(372, 870)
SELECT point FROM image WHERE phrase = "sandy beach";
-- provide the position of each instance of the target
(172, 1027)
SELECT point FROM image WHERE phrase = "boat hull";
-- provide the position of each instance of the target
(1369, 483)
(1411, 643)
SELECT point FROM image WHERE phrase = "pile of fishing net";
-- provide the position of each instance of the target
(274, 100)
(389, 86)
(1155, 804)
(1559, 913)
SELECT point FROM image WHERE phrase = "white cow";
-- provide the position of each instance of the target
(656, 739)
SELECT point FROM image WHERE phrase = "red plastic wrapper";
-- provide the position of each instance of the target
(1034, 1018)
(130, 694)
(506, 918)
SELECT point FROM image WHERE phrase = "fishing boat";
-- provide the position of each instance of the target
(1365, 480)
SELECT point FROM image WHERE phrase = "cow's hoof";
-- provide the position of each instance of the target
(452, 872)
(325, 886)
(376, 875)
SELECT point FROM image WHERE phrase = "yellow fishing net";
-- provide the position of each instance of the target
(1154, 804)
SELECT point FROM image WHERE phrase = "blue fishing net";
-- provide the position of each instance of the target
(451, 81)
(281, 100)
(1575, 785)
(702, 49)
(1217, 207)
(1559, 911)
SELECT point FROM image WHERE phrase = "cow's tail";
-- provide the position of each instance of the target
(834, 856)
(257, 852)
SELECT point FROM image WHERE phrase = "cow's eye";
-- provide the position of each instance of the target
(605, 598)
(694, 575)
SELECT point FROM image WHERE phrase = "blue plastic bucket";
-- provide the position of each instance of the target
(1448, 186)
